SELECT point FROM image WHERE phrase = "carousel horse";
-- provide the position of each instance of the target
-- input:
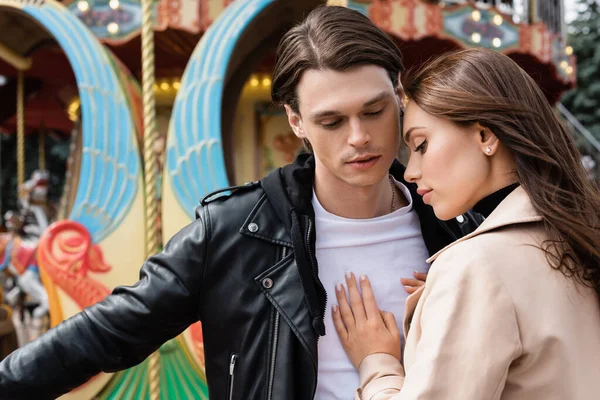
(26, 293)
(65, 252)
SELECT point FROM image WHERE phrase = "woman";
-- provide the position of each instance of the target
(511, 311)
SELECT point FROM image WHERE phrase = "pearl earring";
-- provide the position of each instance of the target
(488, 150)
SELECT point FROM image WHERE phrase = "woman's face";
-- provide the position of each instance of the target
(447, 162)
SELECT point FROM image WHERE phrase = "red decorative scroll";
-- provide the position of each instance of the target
(66, 253)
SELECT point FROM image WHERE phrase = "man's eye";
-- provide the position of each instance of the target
(331, 124)
(374, 113)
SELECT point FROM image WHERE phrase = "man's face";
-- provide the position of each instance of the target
(351, 120)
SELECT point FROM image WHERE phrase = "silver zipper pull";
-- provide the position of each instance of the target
(232, 364)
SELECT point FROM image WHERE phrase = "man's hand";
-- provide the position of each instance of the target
(411, 285)
(364, 329)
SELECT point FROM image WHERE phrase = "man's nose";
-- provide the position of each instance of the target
(359, 135)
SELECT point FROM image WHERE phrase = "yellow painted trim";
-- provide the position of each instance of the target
(56, 314)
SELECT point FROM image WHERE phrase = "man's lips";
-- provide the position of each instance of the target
(423, 192)
(363, 159)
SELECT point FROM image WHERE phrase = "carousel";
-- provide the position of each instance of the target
(55, 263)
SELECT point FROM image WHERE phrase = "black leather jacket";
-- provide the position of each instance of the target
(245, 268)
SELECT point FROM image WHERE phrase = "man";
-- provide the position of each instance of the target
(247, 267)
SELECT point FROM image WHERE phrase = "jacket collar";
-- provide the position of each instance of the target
(515, 209)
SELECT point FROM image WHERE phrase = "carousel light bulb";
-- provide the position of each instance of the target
(564, 64)
(114, 4)
(266, 82)
(176, 85)
(112, 28)
(164, 86)
(569, 70)
(72, 110)
(476, 37)
(83, 5)
(476, 15)
(496, 42)
(254, 82)
(498, 19)
(569, 50)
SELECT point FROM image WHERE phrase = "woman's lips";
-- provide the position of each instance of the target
(425, 193)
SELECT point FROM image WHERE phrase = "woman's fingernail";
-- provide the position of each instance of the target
(348, 275)
(338, 287)
(363, 277)
(335, 308)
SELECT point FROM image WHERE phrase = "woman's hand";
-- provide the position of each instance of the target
(411, 285)
(364, 329)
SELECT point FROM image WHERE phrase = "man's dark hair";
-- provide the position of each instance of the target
(335, 38)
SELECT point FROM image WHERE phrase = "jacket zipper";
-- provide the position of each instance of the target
(314, 271)
(231, 375)
(274, 347)
(273, 356)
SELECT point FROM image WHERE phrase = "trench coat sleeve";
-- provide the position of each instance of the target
(381, 375)
(118, 332)
(468, 337)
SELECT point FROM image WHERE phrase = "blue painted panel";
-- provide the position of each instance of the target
(362, 8)
(194, 157)
(110, 165)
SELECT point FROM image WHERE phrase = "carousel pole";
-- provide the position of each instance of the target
(150, 164)
(1, 180)
(20, 131)
(42, 148)
(21, 64)
(341, 3)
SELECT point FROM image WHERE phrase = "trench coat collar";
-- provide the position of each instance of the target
(516, 208)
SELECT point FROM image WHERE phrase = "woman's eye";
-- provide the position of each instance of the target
(331, 124)
(422, 147)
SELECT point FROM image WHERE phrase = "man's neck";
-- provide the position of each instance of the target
(357, 202)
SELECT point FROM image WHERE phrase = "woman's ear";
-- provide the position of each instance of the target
(487, 140)
(295, 122)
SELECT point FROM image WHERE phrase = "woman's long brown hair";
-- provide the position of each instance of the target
(479, 85)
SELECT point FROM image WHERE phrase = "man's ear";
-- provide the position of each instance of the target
(295, 122)
(400, 93)
(487, 140)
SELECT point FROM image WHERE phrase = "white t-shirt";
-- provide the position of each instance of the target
(386, 249)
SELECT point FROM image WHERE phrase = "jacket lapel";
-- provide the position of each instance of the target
(282, 285)
(263, 223)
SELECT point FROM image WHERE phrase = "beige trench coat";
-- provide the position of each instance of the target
(494, 321)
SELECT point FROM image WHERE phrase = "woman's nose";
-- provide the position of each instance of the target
(413, 171)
